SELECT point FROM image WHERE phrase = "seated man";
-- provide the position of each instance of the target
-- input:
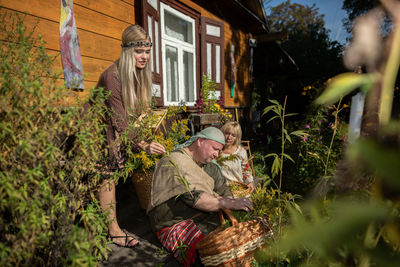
(187, 192)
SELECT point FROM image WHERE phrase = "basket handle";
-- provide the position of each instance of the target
(235, 223)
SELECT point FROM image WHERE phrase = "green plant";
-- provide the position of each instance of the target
(176, 134)
(49, 213)
(208, 102)
(279, 112)
(208, 98)
(359, 225)
(318, 152)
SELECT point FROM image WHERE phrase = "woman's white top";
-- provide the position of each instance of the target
(237, 168)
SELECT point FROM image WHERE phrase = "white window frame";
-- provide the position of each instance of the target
(181, 46)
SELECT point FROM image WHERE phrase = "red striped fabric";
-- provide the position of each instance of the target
(181, 240)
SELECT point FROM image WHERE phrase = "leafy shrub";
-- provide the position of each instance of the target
(49, 212)
(208, 103)
(317, 152)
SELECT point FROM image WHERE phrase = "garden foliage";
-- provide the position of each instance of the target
(357, 224)
(208, 101)
(49, 212)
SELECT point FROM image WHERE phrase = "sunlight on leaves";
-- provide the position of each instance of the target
(345, 83)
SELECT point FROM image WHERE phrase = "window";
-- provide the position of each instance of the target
(178, 49)
(212, 46)
(150, 21)
(182, 50)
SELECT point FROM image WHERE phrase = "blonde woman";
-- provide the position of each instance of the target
(129, 81)
(237, 167)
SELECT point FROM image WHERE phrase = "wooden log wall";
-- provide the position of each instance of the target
(99, 24)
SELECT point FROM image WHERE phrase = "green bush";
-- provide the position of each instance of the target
(49, 212)
(317, 153)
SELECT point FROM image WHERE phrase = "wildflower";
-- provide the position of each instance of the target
(303, 93)
(304, 138)
(345, 105)
(307, 126)
(230, 116)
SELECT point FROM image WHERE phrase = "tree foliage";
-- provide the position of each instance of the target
(288, 17)
(308, 43)
(317, 58)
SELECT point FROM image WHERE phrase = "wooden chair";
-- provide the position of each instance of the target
(246, 146)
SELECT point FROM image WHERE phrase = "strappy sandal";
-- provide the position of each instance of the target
(127, 241)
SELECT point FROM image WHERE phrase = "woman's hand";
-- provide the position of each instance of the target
(251, 186)
(155, 148)
(152, 148)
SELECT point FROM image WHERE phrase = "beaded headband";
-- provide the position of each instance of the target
(137, 44)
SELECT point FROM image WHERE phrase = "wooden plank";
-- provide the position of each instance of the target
(99, 46)
(50, 9)
(86, 19)
(92, 44)
(114, 8)
(92, 67)
(131, 2)
(98, 23)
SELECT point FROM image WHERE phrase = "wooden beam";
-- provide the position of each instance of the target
(271, 37)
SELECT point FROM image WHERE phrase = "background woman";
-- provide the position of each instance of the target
(236, 168)
(129, 81)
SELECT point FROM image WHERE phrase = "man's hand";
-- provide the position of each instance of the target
(237, 204)
(208, 202)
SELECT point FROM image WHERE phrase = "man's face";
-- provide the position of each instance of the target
(207, 150)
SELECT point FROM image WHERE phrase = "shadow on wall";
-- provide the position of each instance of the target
(242, 68)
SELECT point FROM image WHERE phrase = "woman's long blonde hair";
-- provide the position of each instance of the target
(136, 83)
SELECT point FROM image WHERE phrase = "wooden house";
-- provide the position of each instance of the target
(190, 38)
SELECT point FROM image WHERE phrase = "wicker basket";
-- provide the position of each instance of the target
(239, 189)
(142, 182)
(235, 245)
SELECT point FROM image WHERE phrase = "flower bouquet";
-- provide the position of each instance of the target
(141, 165)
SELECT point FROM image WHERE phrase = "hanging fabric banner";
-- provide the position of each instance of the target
(233, 69)
(69, 46)
(356, 113)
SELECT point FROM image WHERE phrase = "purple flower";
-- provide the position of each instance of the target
(330, 125)
(307, 126)
(304, 138)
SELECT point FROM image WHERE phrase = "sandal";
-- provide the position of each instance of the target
(127, 241)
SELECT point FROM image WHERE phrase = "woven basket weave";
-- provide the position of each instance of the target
(241, 189)
(235, 245)
(142, 182)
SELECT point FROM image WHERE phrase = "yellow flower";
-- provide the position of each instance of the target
(303, 93)
(345, 105)
(230, 116)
